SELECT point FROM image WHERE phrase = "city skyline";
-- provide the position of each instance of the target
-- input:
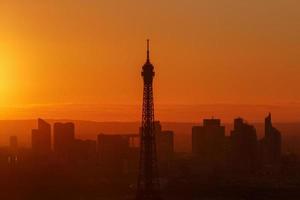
(114, 157)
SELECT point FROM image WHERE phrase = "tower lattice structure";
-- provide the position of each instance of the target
(148, 181)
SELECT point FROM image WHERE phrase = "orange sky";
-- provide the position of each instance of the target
(90, 53)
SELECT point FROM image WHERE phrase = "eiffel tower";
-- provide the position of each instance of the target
(148, 181)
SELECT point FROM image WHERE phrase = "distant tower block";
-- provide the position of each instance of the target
(64, 138)
(41, 138)
(148, 181)
(13, 142)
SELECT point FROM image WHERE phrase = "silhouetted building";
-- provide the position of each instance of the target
(244, 147)
(208, 142)
(164, 146)
(13, 150)
(41, 138)
(117, 153)
(13, 142)
(271, 143)
(64, 137)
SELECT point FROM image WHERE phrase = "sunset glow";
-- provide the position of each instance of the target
(90, 52)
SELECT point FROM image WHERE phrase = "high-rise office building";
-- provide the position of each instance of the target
(244, 145)
(13, 142)
(164, 145)
(64, 137)
(208, 142)
(13, 155)
(271, 143)
(41, 138)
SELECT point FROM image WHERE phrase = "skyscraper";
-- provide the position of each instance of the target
(41, 138)
(13, 150)
(148, 182)
(164, 146)
(64, 137)
(244, 147)
(13, 142)
(271, 143)
(208, 141)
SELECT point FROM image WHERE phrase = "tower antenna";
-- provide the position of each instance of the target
(148, 50)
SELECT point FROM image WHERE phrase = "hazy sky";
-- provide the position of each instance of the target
(55, 52)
